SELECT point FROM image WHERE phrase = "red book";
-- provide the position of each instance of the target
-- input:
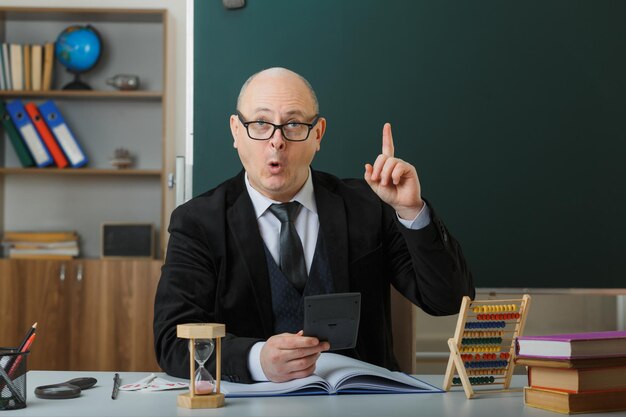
(46, 135)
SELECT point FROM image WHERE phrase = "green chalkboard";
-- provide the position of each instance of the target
(514, 114)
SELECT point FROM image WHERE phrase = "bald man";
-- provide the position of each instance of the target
(225, 262)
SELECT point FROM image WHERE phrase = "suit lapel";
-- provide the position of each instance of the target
(243, 224)
(334, 227)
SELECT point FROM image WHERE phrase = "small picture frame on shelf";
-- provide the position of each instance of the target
(127, 240)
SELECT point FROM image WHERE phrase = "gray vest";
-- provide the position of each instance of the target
(287, 302)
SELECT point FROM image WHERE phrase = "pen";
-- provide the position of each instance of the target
(28, 335)
(9, 365)
(116, 386)
(15, 365)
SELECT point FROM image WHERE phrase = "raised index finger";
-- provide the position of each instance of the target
(387, 140)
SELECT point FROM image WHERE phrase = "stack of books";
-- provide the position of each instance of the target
(40, 245)
(26, 67)
(575, 373)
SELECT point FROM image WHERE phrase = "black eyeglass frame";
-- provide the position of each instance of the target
(309, 125)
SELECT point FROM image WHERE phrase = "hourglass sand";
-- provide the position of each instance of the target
(204, 382)
(204, 392)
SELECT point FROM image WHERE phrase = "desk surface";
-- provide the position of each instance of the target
(97, 402)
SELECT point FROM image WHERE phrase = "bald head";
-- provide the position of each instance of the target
(277, 73)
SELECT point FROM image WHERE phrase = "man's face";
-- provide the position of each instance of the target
(277, 168)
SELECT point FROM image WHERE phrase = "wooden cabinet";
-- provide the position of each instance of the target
(10, 331)
(45, 297)
(113, 308)
(91, 314)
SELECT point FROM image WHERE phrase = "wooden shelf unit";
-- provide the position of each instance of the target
(103, 119)
(93, 314)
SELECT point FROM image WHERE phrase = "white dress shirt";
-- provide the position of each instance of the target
(307, 225)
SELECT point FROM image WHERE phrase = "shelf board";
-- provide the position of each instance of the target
(89, 14)
(81, 171)
(85, 94)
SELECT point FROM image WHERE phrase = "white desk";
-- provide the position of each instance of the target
(96, 402)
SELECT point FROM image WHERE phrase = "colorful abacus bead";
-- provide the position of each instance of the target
(479, 380)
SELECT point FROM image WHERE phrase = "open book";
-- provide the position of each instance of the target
(335, 374)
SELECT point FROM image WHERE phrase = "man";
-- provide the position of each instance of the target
(232, 251)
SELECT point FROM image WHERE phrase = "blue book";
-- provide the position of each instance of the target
(16, 139)
(27, 129)
(51, 114)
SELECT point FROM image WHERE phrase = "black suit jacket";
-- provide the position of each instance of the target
(215, 270)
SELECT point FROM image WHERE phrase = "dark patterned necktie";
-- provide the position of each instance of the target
(292, 262)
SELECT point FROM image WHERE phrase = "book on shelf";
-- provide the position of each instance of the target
(17, 253)
(35, 236)
(55, 121)
(2, 82)
(27, 130)
(17, 67)
(21, 150)
(46, 135)
(6, 62)
(41, 245)
(27, 67)
(572, 345)
(569, 403)
(48, 256)
(36, 63)
(335, 374)
(48, 66)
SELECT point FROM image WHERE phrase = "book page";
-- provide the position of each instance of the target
(334, 373)
(344, 373)
(310, 385)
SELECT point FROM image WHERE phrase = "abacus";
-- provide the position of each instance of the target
(483, 346)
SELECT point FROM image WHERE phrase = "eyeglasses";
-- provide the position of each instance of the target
(292, 131)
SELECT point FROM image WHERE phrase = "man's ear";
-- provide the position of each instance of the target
(319, 130)
(234, 129)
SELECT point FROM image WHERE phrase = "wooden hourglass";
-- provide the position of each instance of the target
(200, 398)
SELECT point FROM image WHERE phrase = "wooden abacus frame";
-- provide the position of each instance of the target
(489, 315)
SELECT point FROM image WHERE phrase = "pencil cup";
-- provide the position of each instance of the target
(12, 379)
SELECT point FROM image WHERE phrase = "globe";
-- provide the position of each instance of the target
(78, 49)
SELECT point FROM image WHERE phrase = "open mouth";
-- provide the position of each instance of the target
(275, 167)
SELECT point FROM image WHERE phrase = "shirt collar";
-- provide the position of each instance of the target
(305, 196)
